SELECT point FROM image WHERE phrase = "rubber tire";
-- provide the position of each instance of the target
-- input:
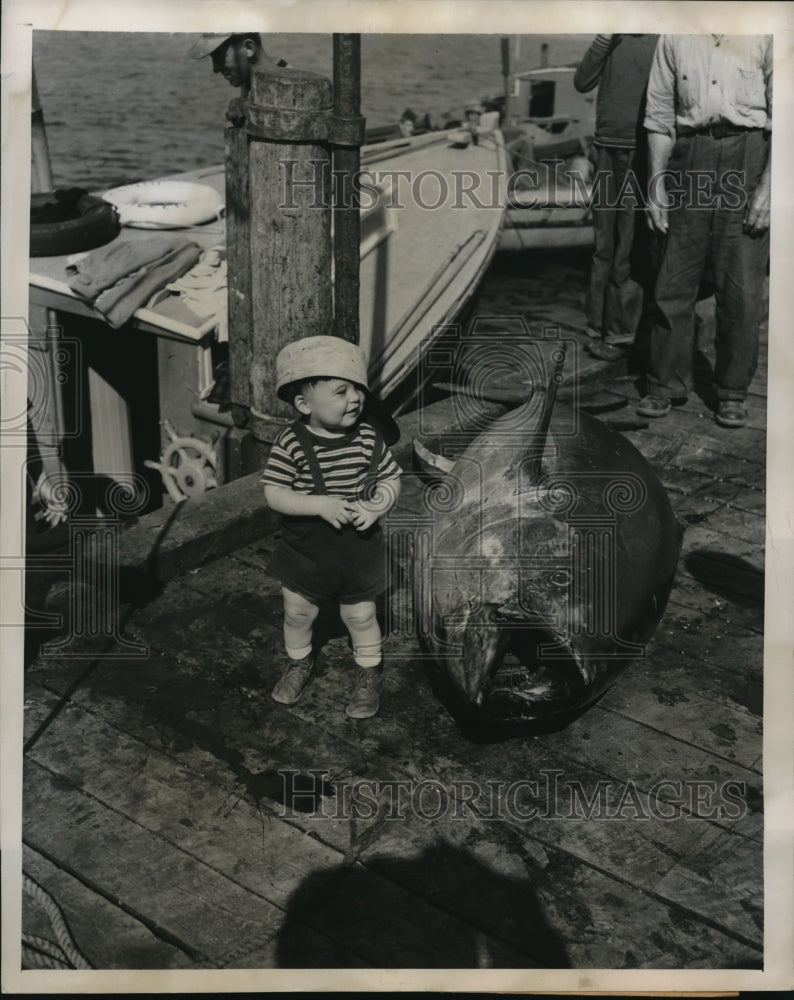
(96, 223)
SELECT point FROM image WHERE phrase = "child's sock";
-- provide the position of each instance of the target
(298, 654)
(365, 657)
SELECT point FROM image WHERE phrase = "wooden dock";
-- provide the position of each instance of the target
(155, 812)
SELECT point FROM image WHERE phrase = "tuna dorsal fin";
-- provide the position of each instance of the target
(542, 430)
(429, 462)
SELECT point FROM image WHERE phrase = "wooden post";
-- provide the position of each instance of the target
(278, 205)
(278, 234)
(238, 255)
(347, 163)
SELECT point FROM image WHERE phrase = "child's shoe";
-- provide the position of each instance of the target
(293, 681)
(365, 699)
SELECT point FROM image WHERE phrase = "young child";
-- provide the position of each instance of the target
(332, 477)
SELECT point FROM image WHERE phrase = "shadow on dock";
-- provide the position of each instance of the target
(351, 899)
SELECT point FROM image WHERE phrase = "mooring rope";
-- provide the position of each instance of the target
(41, 952)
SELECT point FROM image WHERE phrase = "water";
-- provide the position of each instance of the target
(124, 107)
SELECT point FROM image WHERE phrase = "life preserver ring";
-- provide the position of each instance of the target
(70, 220)
(165, 204)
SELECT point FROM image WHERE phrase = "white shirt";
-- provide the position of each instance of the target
(698, 80)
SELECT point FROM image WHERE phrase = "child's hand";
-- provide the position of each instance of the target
(363, 517)
(336, 511)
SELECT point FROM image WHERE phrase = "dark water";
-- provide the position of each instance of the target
(122, 107)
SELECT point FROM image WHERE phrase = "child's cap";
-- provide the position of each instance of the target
(332, 357)
(320, 357)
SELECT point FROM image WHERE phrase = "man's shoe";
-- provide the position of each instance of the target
(603, 351)
(365, 699)
(293, 681)
(654, 406)
(731, 413)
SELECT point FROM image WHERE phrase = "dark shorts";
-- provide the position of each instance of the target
(324, 563)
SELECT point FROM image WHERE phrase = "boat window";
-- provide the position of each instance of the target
(541, 101)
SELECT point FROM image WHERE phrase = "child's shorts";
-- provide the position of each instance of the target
(330, 564)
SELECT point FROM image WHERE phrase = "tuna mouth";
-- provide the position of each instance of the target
(517, 669)
(536, 676)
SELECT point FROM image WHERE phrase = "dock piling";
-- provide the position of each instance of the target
(278, 207)
(347, 163)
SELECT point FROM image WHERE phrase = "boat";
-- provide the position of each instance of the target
(420, 266)
(551, 212)
(545, 120)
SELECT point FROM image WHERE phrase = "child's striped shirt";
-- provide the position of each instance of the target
(344, 462)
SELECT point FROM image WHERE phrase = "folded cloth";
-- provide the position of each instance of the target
(103, 267)
(117, 303)
(203, 289)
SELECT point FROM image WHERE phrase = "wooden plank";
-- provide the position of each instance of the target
(693, 879)
(176, 538)
(670, 701)
(733, 495)
(611, 842)
(727, 609)
(154, 881)
(718, 516)
(271, 860)
(123, 941)
(679, 450)
(731, 649)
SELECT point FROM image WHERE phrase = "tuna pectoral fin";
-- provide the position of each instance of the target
(484, 645)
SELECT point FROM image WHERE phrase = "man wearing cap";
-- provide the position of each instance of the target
(233, 56)
(332, 477)
(709, 121)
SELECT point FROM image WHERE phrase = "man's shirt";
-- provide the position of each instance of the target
(618, 65)
(698, 80)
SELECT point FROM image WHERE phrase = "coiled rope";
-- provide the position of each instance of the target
(41, 953)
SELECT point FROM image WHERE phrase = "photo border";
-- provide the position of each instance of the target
(20, 19)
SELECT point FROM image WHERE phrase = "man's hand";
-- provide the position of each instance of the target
(236, 111)
(658, 207)
(336, 511)
(756, 217)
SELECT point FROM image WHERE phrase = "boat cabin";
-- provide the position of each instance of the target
(548, 97)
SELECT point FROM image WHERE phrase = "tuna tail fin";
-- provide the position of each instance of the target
(542, 431)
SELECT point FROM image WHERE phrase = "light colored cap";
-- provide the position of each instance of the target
(207, 44)
(320, 357)
(474, 105)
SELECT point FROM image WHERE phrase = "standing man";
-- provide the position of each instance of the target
(619, 65)
(709, 120)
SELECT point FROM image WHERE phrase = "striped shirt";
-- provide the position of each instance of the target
(344, 462)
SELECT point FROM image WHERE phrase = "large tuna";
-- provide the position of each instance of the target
(544, 567)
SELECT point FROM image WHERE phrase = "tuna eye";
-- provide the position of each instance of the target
(560, 578)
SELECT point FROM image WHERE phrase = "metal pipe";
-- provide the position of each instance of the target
(346, 165)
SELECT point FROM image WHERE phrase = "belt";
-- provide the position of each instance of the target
(717, 130)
